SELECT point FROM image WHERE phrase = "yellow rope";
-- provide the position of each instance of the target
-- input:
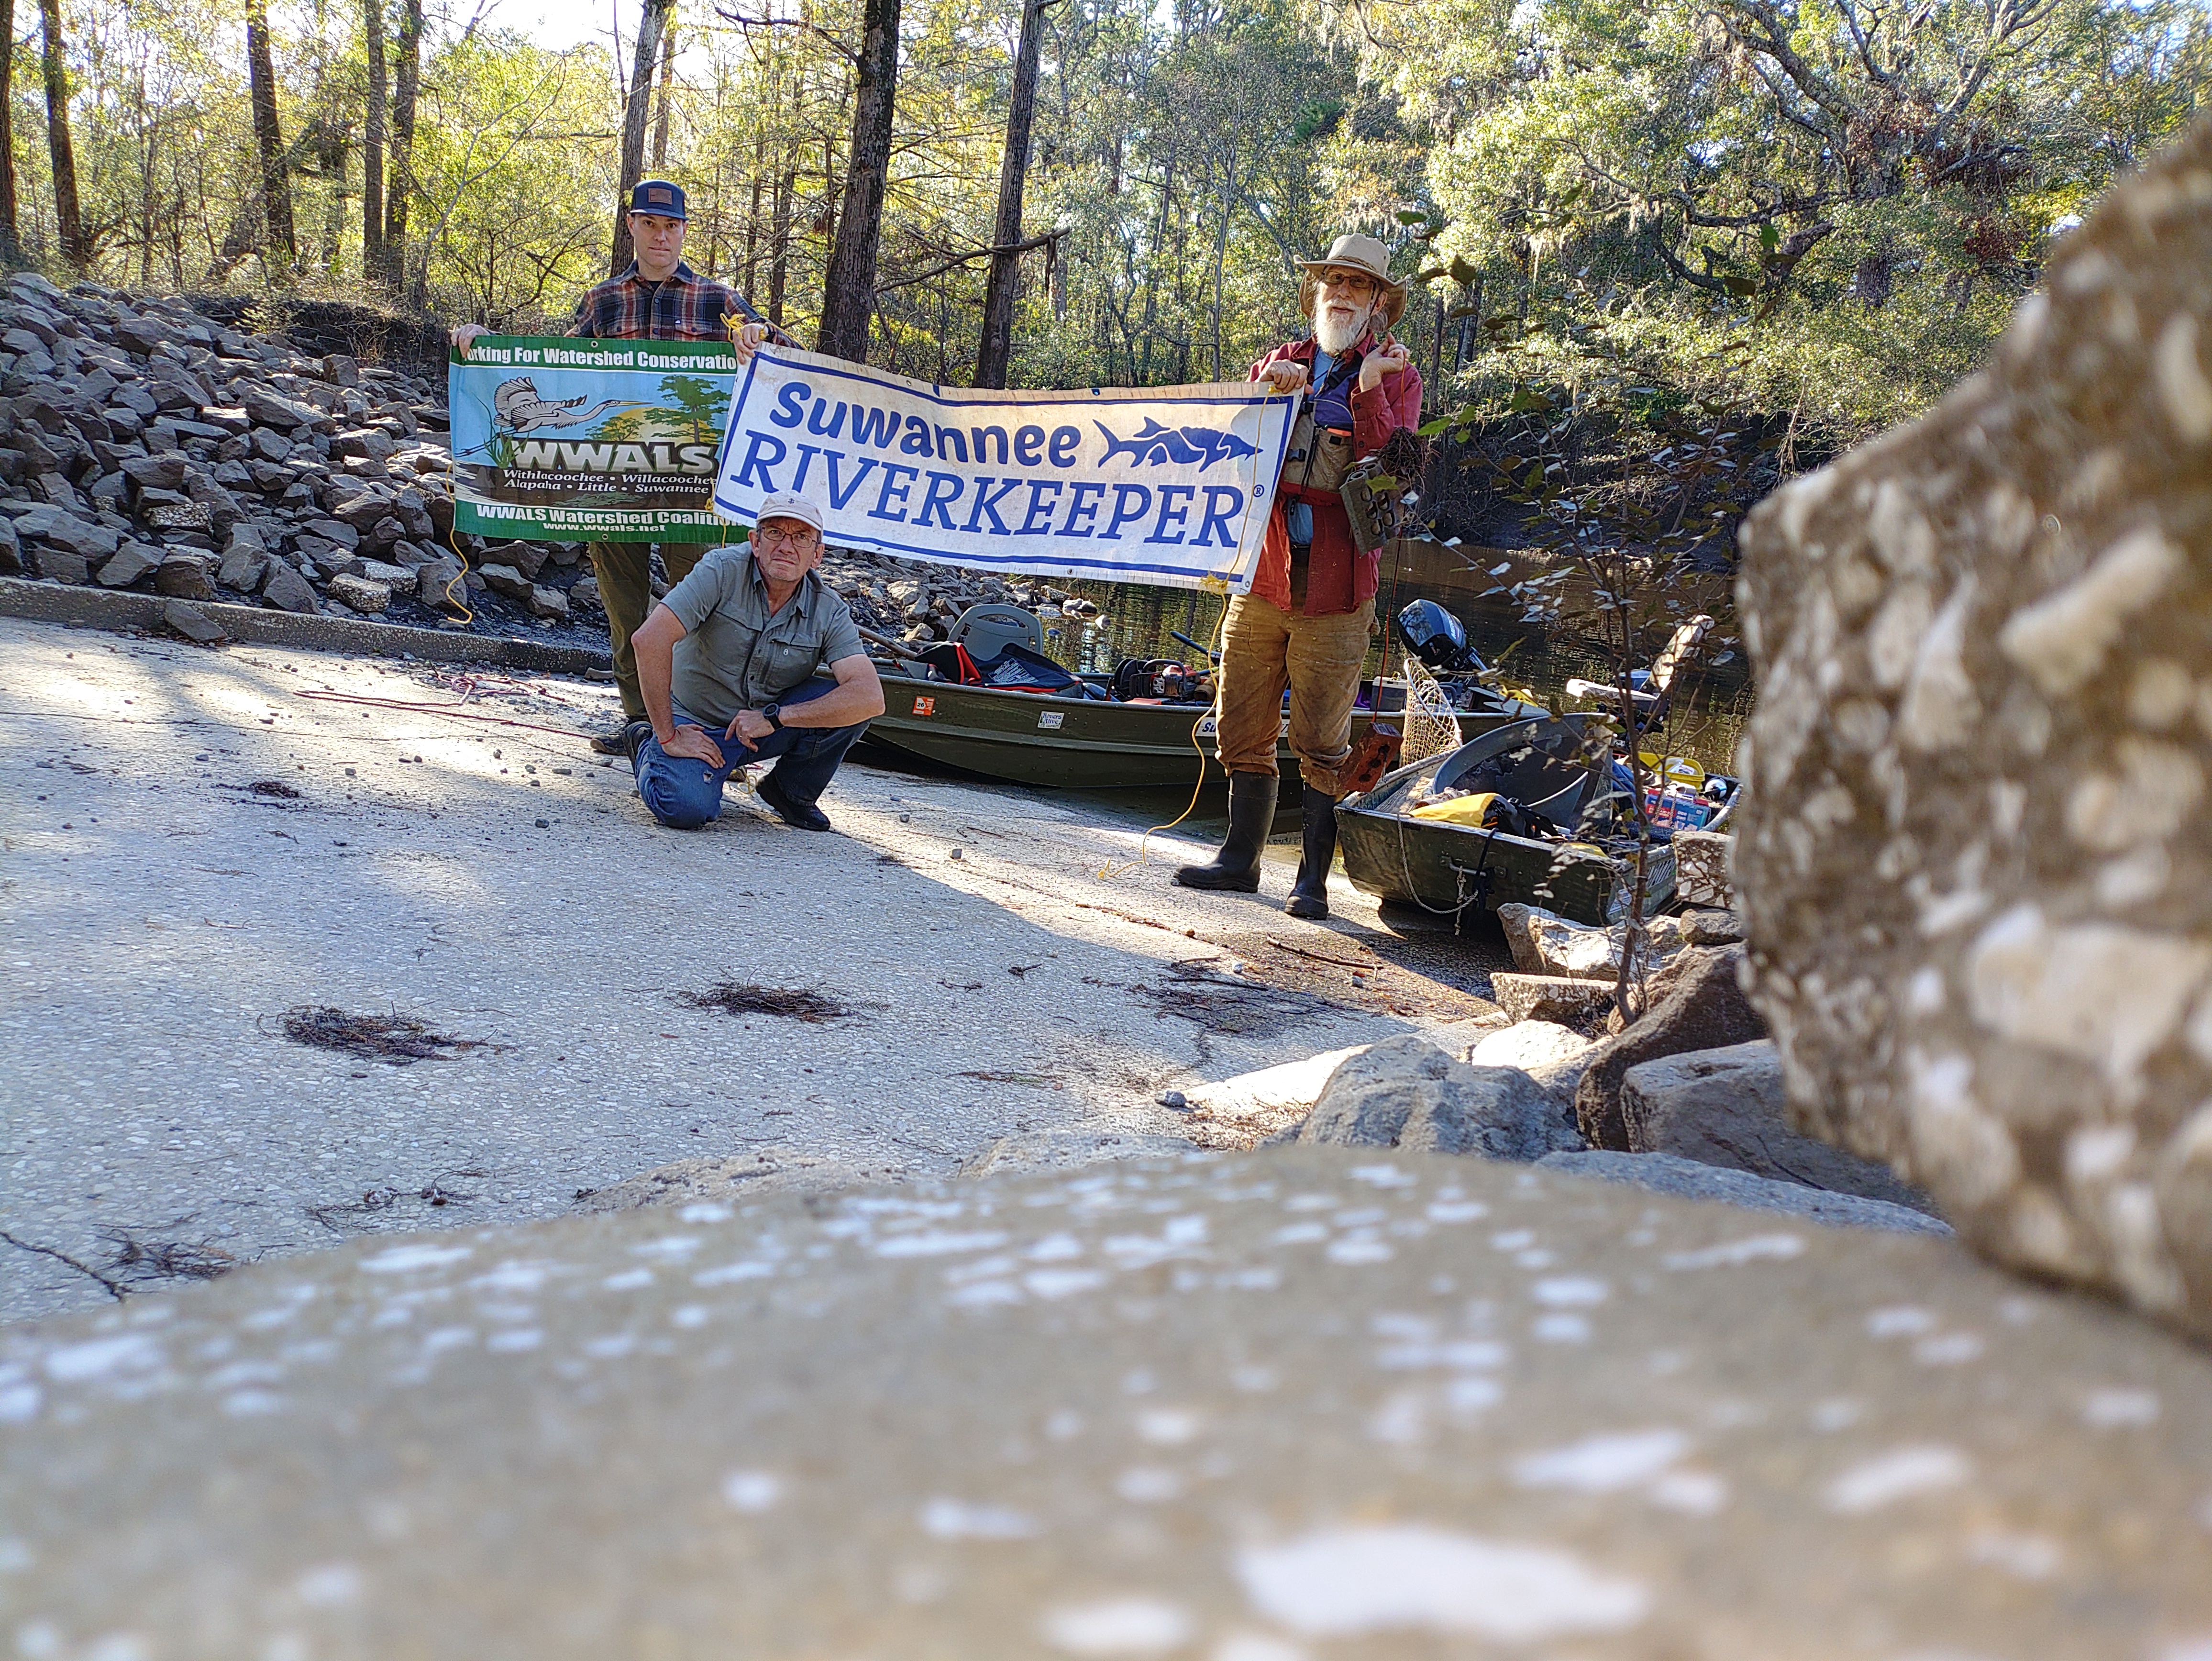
(1109, 871)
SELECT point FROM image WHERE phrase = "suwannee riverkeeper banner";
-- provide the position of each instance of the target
(581, 441)
(1160, 485)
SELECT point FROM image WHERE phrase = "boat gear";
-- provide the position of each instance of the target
(1670, 803)
(1177, 633)
(1015, 669)
(1310, 891)
(1163, 678)
(1251, 815)
(1674, 769)
(984, 629)
(1578, 688)
(1374, 504)
(1485, 810)
(1544, 766)
(1375, 754)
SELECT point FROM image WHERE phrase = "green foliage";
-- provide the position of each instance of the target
(705, 404)
(1830, 204)
(1856, 189)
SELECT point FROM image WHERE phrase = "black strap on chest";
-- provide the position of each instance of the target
(1339, 372)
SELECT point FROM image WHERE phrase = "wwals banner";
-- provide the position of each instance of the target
(1169, 485)
(576, 441)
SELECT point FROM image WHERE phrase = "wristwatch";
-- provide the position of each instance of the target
(773, 714)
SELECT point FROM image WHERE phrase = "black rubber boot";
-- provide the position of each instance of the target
(1251, 815)
(1310, 893)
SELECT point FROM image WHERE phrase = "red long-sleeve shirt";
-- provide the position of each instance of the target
(1338, 578)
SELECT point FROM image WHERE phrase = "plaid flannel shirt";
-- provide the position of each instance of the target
(687, 306)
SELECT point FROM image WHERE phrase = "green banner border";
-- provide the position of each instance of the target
(520, 523)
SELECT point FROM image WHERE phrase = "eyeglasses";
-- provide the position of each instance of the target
(797, 535)
(1352, 281)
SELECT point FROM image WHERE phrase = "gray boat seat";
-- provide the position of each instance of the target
(1542, 763)
(986, 630)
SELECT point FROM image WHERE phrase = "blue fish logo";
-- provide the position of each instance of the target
(1155, 446)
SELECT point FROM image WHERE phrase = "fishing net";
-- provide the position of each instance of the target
(1432, 728)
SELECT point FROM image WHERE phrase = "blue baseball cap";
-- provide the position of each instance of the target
(658, 196)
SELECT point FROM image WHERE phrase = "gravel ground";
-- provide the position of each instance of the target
(195, 851)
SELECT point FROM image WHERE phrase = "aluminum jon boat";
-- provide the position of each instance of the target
(1543, 766)
(1069, 742)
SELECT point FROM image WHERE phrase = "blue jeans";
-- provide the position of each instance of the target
(685, 794)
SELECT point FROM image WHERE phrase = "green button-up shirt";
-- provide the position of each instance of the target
(736, 654)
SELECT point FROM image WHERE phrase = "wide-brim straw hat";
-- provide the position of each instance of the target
(1354, 251)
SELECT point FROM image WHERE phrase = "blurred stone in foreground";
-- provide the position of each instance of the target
(1296, 1402)
(1976, 861)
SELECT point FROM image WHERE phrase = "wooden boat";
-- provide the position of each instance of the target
(1455, 869)
(1068, 742)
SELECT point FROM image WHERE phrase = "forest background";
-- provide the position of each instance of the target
(1726, 234)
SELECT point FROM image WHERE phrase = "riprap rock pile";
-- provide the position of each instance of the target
(146, 446)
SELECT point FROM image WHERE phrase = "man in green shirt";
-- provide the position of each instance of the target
(731, 666)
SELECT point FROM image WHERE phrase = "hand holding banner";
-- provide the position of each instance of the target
(1169, 485)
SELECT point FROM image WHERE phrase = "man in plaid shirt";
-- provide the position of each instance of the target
(658, 298)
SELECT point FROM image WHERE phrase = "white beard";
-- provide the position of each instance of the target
(1335, 335)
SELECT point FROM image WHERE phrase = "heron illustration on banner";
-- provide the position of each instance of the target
(522, 410)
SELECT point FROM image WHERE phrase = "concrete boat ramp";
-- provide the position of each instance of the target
(201, 844)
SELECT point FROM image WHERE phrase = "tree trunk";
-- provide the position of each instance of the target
(337, 161)
(149, 160)
(1140, 370)
(667, 87)
(997, 348)
(752, 229)
(11, 246)
(849, 296)
(400, 178)
(1221, 258)
(780, 245)
(71, 222)
(372, 264)
(636, 110)
(261, 74)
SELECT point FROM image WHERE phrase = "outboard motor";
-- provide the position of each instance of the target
(1436, 637)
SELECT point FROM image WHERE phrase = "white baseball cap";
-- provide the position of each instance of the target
(789, 505)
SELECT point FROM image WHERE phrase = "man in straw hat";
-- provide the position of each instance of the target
(1306, 622)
